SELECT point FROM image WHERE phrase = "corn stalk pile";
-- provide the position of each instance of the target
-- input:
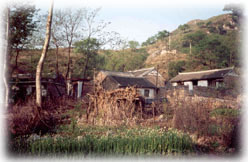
(116, 107)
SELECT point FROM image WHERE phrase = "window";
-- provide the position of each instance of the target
(146, 93)
(194, 82)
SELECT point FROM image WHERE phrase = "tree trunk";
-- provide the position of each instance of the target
(16, 58)
(57, 60)
(42, 58)
(68, 72)
(5, 66)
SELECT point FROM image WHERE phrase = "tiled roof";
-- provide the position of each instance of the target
(133, 81)
(202, 75)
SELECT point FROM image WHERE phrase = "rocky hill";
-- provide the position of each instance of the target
(172, 48)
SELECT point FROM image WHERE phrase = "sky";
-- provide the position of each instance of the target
(139, 19)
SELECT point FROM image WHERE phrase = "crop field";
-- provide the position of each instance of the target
(93, 140)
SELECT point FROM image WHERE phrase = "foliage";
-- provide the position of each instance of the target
(210, 51)
(161, 35)
(88, 48)
(195, 37)
(225, 112)
(133, 44)
(22, 25)
(125, 60)
(175, 67)
(21, 28)
(185, 28)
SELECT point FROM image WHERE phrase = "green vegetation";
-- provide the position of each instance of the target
(185, 28)
(175, 67)
(227, 112)
(22, 25)
(110, 141)
(125, 60)
(161, 35)
(89, 57)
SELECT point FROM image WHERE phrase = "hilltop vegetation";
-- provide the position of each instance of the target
(197, 45)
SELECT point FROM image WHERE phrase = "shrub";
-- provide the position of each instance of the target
(27, 118)
(192, 117)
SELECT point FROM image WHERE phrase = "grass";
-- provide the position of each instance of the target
(108, 141)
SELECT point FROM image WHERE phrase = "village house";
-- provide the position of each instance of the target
(22, 86)
(209, 78)
(150, 74)
(146, 89)
(147, 80)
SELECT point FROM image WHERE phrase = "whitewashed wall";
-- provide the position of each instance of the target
(203, 83)
(151, 93)
(174, 84)
(189, 83)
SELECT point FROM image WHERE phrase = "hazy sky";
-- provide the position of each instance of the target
(140, 19)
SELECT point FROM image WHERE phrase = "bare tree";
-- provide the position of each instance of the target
(42, 58)
(5, 61)
(70, 22)
(58, 37)
(92, 29)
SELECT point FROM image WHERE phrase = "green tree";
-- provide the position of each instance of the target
(175, 67)
(88, 49)
(22, 26)
(149, 41)
(133, 45)
(185, 28)
(162, 35)
(211, 52)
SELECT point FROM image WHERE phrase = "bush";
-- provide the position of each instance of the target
(27, 118)
(192, 117)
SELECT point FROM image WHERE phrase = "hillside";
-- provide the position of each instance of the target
(171, 58)
(163, 54)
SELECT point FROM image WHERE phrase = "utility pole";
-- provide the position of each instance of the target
(190, 47)
(157, 79)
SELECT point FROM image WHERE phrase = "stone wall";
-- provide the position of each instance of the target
(181, 94)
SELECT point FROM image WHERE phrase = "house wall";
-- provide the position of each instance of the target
(203, 83)
(189, 83)
(151, 93)
(174, 84)
(109, 84)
